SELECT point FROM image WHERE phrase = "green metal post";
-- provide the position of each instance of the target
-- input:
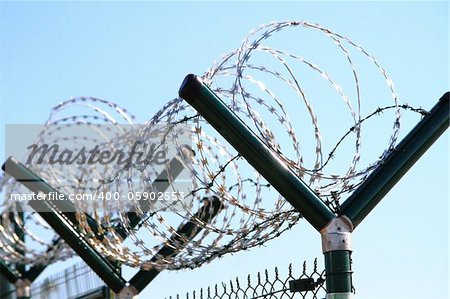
(8, 278)
(23, 286)
(189, 230)
(11, 275)
(234, 130)
(59, 222)
(36, 184)
(162, 183)
(408, 151)
(337, 250)
(104, 269)
(338, 272)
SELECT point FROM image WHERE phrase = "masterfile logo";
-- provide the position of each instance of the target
(103, 167)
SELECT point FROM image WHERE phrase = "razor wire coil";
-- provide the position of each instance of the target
(263, 85)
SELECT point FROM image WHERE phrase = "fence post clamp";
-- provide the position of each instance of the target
(337, 235)
(337, 249)
(23, 288)
(128, 292)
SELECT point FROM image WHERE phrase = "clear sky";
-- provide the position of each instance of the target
(137, 53)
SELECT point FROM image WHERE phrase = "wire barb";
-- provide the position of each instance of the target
(262, 84)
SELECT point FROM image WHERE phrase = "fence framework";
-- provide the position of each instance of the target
(335, 229)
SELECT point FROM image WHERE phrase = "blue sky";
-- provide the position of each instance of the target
(137, 53)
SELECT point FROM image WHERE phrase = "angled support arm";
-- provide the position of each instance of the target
(11, 275)
(189, 230)
(400, 160)
(64, 227)
(239, 135)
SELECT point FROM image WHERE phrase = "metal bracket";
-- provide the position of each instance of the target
(337, 235)
(23, 288)
(304, 284)
(128, 292)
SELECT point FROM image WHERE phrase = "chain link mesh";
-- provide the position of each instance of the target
(264, 285)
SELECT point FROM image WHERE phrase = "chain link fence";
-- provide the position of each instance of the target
(77, 281)
(307, 285)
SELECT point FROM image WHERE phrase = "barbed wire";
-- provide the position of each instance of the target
(262, 84)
